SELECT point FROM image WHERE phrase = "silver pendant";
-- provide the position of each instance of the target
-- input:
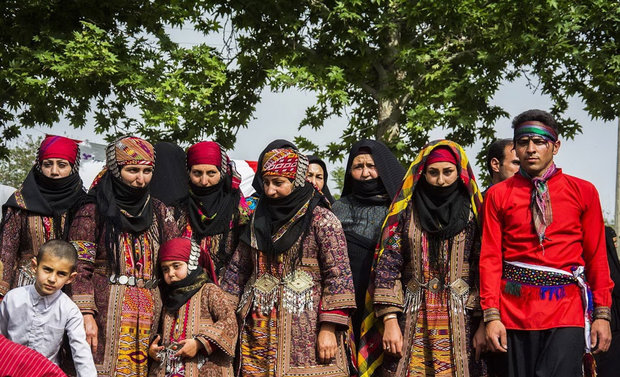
(434, 285)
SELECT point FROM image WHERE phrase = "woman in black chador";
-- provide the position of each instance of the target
(372, 177)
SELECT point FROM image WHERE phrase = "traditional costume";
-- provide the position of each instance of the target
(214, 216)
(39, 211)
(543, 266)
(117, 235)
(425, 272)
(361, 209)
(291, 273)
(195, 308)
(325, 190)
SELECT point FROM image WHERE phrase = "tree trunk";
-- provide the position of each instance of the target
(389, 109)
(388, 127)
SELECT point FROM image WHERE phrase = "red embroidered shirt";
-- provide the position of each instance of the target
(576, 237)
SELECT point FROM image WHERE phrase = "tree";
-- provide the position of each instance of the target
(114, 62)
(13, 170)
(396, 68)
(337, 176)
(401, 68)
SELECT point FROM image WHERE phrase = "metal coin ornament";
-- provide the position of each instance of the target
(298, 292)
(266, 293)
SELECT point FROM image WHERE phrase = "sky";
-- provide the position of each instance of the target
(591, 155)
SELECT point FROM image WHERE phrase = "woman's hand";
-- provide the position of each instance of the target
(189, 348)
(90, 326)
(392, 337)
(480, 340)
(155, 348)
(326, 344)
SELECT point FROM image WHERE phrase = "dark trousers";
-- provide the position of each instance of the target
(555, 352)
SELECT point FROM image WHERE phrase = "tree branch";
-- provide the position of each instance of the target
(380, 71)
(370, 90)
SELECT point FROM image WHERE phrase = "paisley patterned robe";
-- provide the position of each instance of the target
(437, 318)
(126, 315)
(23, 233)
(210, 319)
(282, 308)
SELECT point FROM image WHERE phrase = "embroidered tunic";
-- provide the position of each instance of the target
(210, 258)
(575, 238)
(210, 318)
(436, 315)
(126, 314)
(23, 233)
(282, 310)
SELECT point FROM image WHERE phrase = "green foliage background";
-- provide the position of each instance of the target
(14, 169)
(396, 69)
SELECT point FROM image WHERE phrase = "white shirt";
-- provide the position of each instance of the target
(39, 322)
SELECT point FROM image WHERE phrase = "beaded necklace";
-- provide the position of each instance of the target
(206, 245)
(48, 227)
(174, 365)
(176, 323)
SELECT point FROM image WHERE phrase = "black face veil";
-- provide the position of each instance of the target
(391, 172)
(325, 190)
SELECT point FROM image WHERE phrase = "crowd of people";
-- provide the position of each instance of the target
(164, 268)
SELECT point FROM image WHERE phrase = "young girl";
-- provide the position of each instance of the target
(199, 327)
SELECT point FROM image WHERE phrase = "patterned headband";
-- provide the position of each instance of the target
(287, 163)
(535, 128)
(128, 150)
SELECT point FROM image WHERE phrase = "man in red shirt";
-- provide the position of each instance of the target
(543, 266)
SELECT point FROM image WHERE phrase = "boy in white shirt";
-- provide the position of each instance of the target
(37, 316)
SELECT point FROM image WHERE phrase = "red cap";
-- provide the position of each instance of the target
(54, 146)
(441, 154)
(176, 249)
(205, 152)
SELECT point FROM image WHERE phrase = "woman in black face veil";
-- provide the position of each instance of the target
(40, 210)
(372, 178)
(257, 182)
(318, 176)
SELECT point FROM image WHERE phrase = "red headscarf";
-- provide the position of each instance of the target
(54, 146)
(205, 152)
(441, 154)
(176, 249)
